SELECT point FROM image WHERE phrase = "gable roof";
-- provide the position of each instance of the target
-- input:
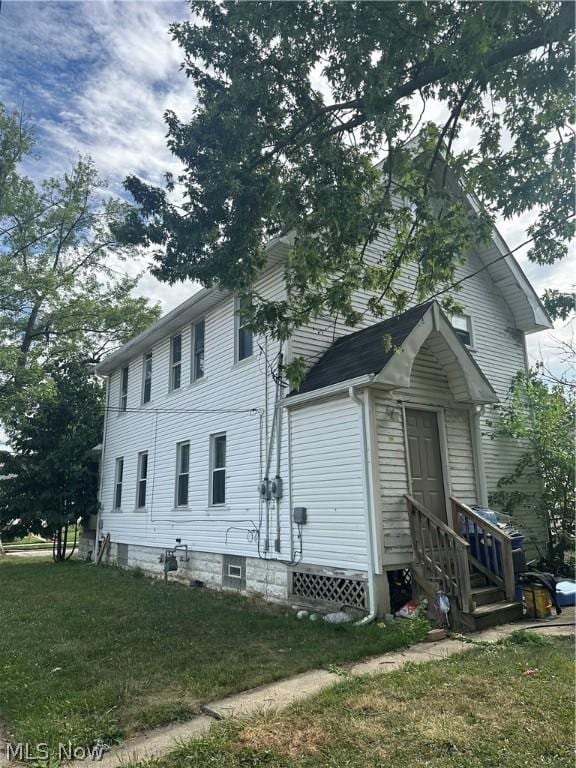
(384, 353)
(363, 352)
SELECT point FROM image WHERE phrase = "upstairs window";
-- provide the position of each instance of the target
(118, 482)
(198, 334)
(217, 469)
(142, 479)
(175, 362)
(244, 336)
(462, 324)
(147, 380)
(182, 473)
(124, 388)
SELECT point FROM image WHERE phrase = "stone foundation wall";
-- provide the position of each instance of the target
(267, 579)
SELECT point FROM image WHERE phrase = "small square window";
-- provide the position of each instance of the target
(462, 325)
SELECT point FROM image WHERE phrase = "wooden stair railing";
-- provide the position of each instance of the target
(440, 556)
(491, 549)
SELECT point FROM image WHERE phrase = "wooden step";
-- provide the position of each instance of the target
(492, 614)
(487, 595)
(477, 579)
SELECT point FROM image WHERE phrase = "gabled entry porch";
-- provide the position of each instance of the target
(419, 393)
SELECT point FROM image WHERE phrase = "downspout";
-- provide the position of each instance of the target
(101, 478)
(479, 455)
(372, 609)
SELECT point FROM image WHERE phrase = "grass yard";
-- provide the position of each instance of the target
(504, 706)
(90, 654)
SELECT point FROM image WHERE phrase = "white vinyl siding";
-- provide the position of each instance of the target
(328, 482)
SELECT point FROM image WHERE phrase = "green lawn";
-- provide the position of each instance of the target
(90, 654)
(505, 706)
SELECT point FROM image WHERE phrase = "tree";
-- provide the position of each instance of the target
(296, 101)
(541, 418)
(51, 478)
(61, 291)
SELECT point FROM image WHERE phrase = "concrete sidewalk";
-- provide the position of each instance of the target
(160, 741)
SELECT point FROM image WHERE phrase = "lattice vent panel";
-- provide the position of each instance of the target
(329, 589)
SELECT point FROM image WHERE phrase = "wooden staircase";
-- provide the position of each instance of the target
(476, 572)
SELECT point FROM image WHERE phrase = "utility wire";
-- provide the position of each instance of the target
(496, 260)
(118, 409)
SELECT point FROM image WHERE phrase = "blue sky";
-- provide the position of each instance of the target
(96, 77)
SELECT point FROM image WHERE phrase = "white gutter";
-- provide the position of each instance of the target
(101, 468)
(478, 454)
(333, 389)
(368, 509)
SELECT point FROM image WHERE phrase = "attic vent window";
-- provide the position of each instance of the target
(462, 324)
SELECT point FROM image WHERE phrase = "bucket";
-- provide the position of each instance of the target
(537, 602)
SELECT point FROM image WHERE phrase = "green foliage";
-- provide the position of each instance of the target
(51, 478)
(61, 292)
(297, 101)
(541, 419)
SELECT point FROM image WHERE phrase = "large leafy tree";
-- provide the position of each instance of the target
(62, 288)
(541, 417)
(50, 481)
(297, 101)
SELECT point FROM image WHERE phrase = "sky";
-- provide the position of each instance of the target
(95, 77)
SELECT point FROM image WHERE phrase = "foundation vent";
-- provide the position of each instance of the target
(335, 590)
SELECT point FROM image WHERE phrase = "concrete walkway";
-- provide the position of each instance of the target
(160, 741)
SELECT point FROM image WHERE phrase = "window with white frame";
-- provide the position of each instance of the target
(142, 480)
(462, 325)
(244, 336)
(182, 473)
(147, 378)
(217, 469)
(198, 335)
(175, 362)
(124, 388)
(118, 478)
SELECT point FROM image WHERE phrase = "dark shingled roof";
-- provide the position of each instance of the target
(363, 352)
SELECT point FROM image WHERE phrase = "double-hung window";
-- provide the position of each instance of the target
(218, 469)
(182, 473)
(118, 482)
(198, 335)
(147, 378)
(124, 388)
(244, 336)
(462, 325)
(142, 480)
(175, 362)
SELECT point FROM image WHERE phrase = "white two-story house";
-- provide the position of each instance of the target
(301, 496)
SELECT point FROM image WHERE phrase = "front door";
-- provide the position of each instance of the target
(426, 461)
